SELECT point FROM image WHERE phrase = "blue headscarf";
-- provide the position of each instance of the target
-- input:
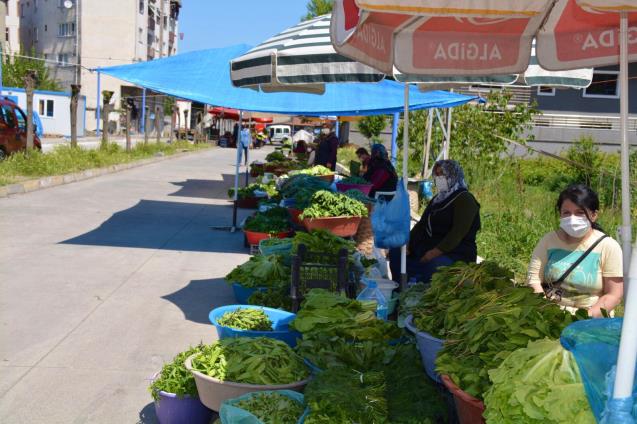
(378, 150)
(452, 171)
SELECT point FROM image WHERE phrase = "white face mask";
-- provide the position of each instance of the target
(575, 226)
(441, 183)
(325, 131)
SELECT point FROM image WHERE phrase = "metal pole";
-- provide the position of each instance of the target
(628, 343)
(248, 153)
(338, 127)
(403, 249)
(236, 178)
(1, 63)
(448, 135)
(142, 125)
(99, 106)
(394, 138)
(425, 164)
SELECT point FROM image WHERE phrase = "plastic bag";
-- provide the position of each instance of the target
(595, 344)
(390, 220)
(230, 414)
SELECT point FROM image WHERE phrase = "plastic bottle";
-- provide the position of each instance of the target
(371, 292)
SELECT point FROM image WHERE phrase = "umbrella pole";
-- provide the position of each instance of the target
(394, 137)
(403, 249)
(248, 151)
(425, 164)
(628, 342)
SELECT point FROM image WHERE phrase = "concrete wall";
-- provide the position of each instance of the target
(60, 122)
(12, 22)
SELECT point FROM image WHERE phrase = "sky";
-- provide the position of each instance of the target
(219, 23)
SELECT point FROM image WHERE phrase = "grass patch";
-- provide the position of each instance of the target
(65, 159)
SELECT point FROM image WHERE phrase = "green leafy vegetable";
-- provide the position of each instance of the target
(272, 408)
(358, 195)
(275, 157)
(316, 170)
(175, 378)
(258, 360)
(249, 190)
(278, 298)
(321, 241)
(272, 221)
(539, 384)
(302, 188)
(327, 204)
(246, 319)
(354, 180)
(261, 271)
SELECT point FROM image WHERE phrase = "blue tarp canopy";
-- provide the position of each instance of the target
(204, 76)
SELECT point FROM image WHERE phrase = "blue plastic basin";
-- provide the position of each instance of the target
(280, 323)
(429, 346)
(241, 294)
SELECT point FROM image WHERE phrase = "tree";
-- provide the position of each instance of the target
(317, 8)
(14, 69)
(372, 126)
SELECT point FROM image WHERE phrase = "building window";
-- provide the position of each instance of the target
(66, 29)
(605, 85)
(6, 35)
(46, 108)
(35, 34)
(141, 7)
(63, 59)
(46, 28)
(545, 91)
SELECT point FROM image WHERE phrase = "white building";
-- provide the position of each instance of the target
(99, 33)
(53, 108)
(12, 27)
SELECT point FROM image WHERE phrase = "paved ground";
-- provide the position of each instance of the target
(103, 280)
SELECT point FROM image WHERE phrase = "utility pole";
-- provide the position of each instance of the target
(127, 107)
(146, 124)
(106, 108)
(75, 94)
(159, 123)
(29, 85)
(78, 45)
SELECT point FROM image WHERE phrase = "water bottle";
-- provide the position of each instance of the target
(372, 292)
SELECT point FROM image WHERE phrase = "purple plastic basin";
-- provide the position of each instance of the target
(171, 409)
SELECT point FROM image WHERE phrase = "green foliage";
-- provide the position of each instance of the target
(278, 298)
(327, 204)
(259, 360)
(246, 319)
(585, 152)
(317, 8)
(345, 155)
(175, 378)
(538, 384)
(372, 126)
(272, 408)
(260, 271)
(168, 104)
(315, 171)
(66, 159)
(354, 180)
(275, 156)
(301, 188)
(248, 191)
(272, 221)
(14, 69)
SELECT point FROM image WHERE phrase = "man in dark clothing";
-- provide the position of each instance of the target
(326, 151)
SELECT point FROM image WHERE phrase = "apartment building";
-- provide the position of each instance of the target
(77, 36)
(9, 27)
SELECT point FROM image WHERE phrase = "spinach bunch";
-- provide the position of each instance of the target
(246, 319)
(248, 191)
(272, 408)
(259, 360)
(358, 195)
(272, 221)
(261, 271)
(275, 156)
(175, 378)
(321, 241)
(278, 298)
(354, 179)
(328, 204)
(301, 188)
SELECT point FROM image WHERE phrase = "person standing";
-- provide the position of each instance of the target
(327, 148)
(245, 140)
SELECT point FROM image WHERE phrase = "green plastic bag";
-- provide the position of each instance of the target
(231, 414)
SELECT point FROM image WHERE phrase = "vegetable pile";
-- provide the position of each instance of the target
(327, 204)
(354, 180)
(301, 188)
(358, 195)
(259, 360)
(278, 298)
(272, 221)
(316, 170)
(249, 190)
(275, 156)
(246, 319)
(175, 377)
(322, 241)
(272, 408)
(261, 271)
(539, 383)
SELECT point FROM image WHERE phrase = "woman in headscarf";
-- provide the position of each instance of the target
(380, 171)
(447, 231)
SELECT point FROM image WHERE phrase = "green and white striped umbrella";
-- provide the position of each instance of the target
(299, 56)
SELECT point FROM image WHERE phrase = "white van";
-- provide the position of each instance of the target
(279, 132)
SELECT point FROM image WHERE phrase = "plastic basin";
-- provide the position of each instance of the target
(213, 392)
(363, 188)
(429, 346)
(254, 237)
(469, 409)
(241, 294)
(342, 226)
(280, 323)
(387, 287)
(328, 178)
(294, 215)
(172, 409)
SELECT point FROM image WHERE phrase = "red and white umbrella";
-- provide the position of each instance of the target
(494, 37)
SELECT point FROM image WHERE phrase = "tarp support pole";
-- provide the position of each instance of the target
(403, 249)
(248, 152)
(338, 127)
(448, 134)
(430, 124)
(142, 125)
(394, 138)
(236, 178)
(98, 112)
(628, 343)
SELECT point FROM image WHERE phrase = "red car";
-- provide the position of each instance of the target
(13, 129)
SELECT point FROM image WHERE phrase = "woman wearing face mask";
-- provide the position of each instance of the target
(380, 171)
(578, 266)
(447, 231)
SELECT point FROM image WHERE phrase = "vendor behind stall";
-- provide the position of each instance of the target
(327, 148)
(363, 157)
(380, 171)
(577, 265)
(447, 231)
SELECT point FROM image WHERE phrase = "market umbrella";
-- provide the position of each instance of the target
(494, 37)
(306, 136)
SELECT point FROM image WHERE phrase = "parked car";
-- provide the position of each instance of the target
(13, 129)
(279, 132)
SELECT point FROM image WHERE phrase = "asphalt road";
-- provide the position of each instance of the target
(104, 280)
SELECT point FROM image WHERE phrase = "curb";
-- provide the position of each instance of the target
(58, 180)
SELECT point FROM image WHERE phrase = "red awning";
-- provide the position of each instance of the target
(229, 113)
